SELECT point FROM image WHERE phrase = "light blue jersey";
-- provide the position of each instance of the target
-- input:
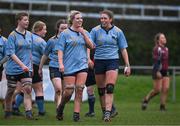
(3, 42)
(38, 48)
(108, 42)
(51, 52)
(74, 49)
(21, 46)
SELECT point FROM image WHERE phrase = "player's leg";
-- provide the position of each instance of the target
(111, 77)
(11, 86)
(69, 83)
(56, 78)
(26, 82)
(90, 82)
(18, 98)
(164, 92)
(79, 86)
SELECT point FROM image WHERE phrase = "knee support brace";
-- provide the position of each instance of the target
(101, 91)
(109, 88)
(27, 86)
(58, 92)
(79, 87)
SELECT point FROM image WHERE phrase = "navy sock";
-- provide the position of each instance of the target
(18, 100)
(40, 103)
(91, 101)
(113, 108)
(29, 113)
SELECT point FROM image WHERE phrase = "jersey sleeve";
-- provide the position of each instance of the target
(122, 42)
(10, 46)
(43, 46)
(48, 47)
(60, 44)
(93, 35)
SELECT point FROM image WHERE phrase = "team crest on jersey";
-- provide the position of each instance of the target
(20, 43)
(100, 43)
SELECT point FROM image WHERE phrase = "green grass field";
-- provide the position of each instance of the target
(129, 93)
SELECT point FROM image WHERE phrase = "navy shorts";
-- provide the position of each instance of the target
(75, 73)
(102, 66)
(18, 77)
(36, 78)
(164, 73)
(55, 73)
(90, 78)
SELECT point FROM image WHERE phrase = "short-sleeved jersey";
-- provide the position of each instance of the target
(108, 42)
(74, 49)
(38, 48)
(160, 58)
(51, 52)
(21, 46)
(3, 42)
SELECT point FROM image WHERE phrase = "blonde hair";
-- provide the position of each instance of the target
(38, 26)
(156, 38)
(72, 15)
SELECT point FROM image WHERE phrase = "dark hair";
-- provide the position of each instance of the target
(58, 23)
(109, 13)
(156, 37)
(20, 15)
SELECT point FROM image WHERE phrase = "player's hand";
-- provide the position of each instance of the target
(90, 64)
(25, 68)
(127, 71)
(81, 30)
(61, 68)
(40, 72)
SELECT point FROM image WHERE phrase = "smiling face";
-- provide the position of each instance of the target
(105, 20)
(62, 27)
(77, 21)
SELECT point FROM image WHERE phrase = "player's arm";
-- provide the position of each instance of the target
(127, 69)
(43, 60)
(5, 59)
(20, 63)
(60, 60)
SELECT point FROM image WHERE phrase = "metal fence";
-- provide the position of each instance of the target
(91, 9)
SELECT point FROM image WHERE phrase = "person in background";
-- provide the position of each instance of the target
(73, 62)
(90, 82)
(109, 39)
(3, 57)
(19, 66)
(51, 53)
(160, 74)
(39, 31)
